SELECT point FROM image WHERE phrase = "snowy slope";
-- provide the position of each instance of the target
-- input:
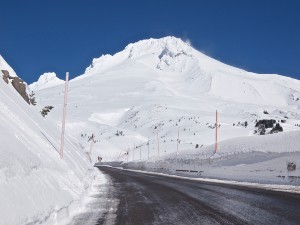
(156, 87)
(36, 185)
(46, 80)
(4, 66)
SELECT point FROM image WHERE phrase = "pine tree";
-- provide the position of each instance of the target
(32, 98)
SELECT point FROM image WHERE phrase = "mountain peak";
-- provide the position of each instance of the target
(46, 77)
(46, 80)
(164, 41)
(164, 50)
(168, 44)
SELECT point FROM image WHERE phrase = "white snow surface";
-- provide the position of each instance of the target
(36, 185)
(256, 159)
(46, 80)
(155, 88)
(5, 66)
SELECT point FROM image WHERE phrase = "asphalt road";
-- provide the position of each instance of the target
(140, 199)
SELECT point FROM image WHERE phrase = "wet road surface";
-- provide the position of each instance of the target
(140, 199)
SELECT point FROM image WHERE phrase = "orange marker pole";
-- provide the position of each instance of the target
(157, 145)
(177, 142)
(216, 144)
(62, 140)
(133, 152)
(140, 152)
(148, 148)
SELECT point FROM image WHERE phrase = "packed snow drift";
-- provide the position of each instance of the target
(36, 185)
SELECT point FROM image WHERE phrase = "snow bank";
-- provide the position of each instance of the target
(260, 159)
(274, 187)
(36, 185)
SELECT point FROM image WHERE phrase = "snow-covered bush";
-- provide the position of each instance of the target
(277, 128)
(267, 123)
(261, 130)
(291, 166)
(267, 127)
(32, 98)
(46, 110)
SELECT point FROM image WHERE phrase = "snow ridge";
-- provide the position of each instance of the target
(36, 185)
(4, 66)
(46, 80)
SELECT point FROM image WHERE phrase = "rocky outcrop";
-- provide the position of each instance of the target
(17, 83)
(6, 76)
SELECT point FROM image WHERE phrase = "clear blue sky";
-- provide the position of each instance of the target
(65, 35)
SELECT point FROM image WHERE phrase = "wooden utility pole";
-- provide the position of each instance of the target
(157, 145)
(177, 142)
(216, 144)
(62, 139)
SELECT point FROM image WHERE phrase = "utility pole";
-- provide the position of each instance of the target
(216, 144)
(133, 152)
(157, 145)
(141, 152)
(178, 142)
(148, 147)
(128, 154)
(62, 140)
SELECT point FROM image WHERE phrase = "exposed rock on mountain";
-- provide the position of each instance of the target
(17, 83)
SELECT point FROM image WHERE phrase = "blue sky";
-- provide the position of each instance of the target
(44, 36)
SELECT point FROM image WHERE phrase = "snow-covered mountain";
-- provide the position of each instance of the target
(46, 80)
(159, 85)
(36, 185)
(151, 94)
